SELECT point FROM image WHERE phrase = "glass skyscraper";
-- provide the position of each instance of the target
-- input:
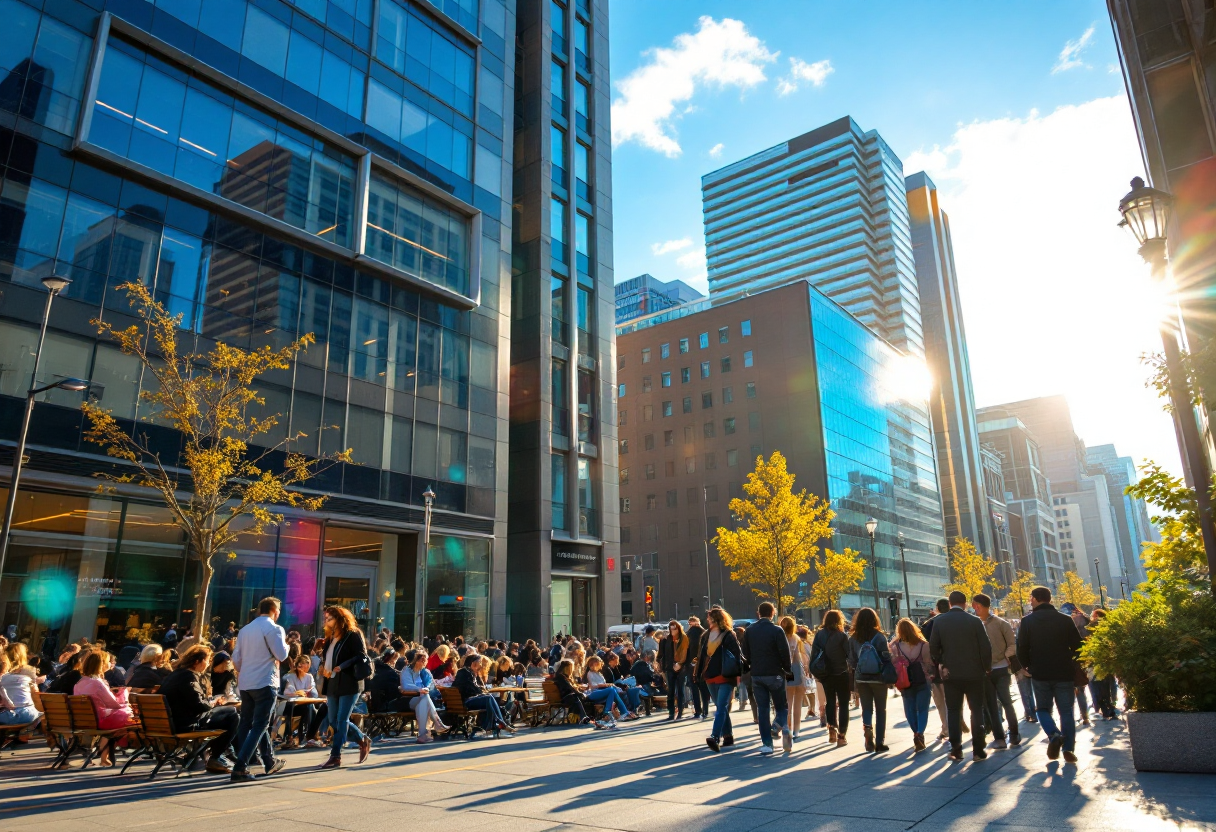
(644, 295)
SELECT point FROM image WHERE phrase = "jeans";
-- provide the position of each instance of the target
(916, 706)
(973, 691)
(836, 695)
(1026, 692)
(1063, 696)
(874, 708)
(633, 697)
(675, 691)
(609, 697)
(1082, 702)
(257, 708)
(722, 695)
(1102, 691)
(997, 697)
(20, 716)
(339, 719)
(223, 718)
(700, 696)
(766, 689)
(491, 713)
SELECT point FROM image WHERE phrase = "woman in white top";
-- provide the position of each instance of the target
(17, 694)
(299, 684)
(795, 689)
(416, 686)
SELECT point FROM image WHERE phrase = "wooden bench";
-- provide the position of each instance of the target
(166, 746)
(89, 735)
(460, 719)
(57, 727)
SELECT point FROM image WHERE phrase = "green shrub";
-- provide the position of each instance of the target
(1161, 646)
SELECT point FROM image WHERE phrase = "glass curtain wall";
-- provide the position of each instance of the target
(457, 586)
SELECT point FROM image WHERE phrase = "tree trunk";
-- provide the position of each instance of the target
(200, 608)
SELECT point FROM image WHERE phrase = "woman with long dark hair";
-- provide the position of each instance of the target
(344, 648)
(673, 661)
(832, 645)
(721, 676)
(867, 648)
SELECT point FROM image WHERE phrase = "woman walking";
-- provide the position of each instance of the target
(912, 650)
(868, 652)
(720, 656)
(831, 646)
(795, 688)
(344, 648)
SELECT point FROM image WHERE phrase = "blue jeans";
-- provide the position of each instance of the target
(339, 716)
(253, 734)
(1064, 696)
(916, 707)
(19, 717)
(1026, 692)
(722, 696)
(608, 697)
(766, 689)
(633, 697)
(491, 713)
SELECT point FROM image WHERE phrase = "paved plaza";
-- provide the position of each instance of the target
(650, 776)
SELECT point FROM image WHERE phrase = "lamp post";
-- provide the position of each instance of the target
(54, 285)
(871, 527)
(1146, 213)
(904, 565)
(428, 502)
(1098, 581)
(709, 593)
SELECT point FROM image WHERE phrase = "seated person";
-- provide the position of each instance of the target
(151, 670)
(299, 684)
(111, 706)
(602, 692)
(538, 668)
(416, 686)
(471, 681)
(192, 710)
(17, 689)
(614, 673)
(649, 679)
(384, 685)
(114, 675)
(69, 674)
(446, 670)
(222, 678)
(438, 657)
(574, 700)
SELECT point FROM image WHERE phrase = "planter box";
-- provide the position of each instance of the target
(1178, 742)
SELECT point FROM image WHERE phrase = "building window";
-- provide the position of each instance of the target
(747, 358)
(647, 412)
(728, 395)
(756, 451)
(725, 362)
(557, 20)
(685, 375)
(753, 421)
(557, 229)
(669, 468)
(582, 106)
(673, 530)
(728, 425)
(620, 393)
(703, 340)
(622, 446)
(624, 476)
(671, 498)
(652, 502)
(732, 458)
(690, 465)
(646, 384)
(622, 417)
(648, 442)
(711, 464)
(646, 355)
(751, 389)
(665, 379)
(624, 505)
(669, 437)
(650, 470)
(688, 434)
(582, 171)
(683, 345)
(557, 143)
(400, 221)
(745, 327)
(557, 88)
(708, 429)
(666, 409)
(626, 534)
(707, 401)
(704, 369)
(687, 404)
(711, 494)
(664, 350)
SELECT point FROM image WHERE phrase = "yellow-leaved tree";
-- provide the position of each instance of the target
(1076, 591)
(779, 532)
(971, 570)
(228, 468)
(1017, 599)
(838, 573)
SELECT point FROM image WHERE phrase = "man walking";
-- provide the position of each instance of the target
(939, 692)
(997, 695)
(765, 648)
(960, 646)
(700, 690)
(260, 646)
(1047, 647)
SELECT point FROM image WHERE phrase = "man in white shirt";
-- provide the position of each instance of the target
(260, 646)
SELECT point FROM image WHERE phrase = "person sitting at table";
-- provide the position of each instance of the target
(299, 684)
(446, 670)
(602, 692)
(614, 673)
(438, 657)
(222, 676)
(192, 710)
(471, 682)
(504, 670)
(416, 685)
(151, 669)
(538, 667)
(111, 706)
(573, 699)
(384, 685)
(69, 674)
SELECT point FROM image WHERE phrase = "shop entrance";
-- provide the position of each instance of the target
(572, 606)
(350, 585)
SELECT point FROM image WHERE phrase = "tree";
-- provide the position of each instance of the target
(839, 573)
(220, 475)
(779, 531)
(972, 571)
(1017, 599)
(1074, 590)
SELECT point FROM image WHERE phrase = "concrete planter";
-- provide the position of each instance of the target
(1178, 742)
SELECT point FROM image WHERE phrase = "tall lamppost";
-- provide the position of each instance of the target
(428, 502)
(705, 540)
(904, 565)
(1098, 581)
(1146, 213)
(54, 285)
(871, 527)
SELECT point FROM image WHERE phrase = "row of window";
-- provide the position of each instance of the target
(708, 430)
(745, 328)
(686, 372)
(707, 401)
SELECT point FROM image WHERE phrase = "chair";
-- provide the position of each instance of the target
(176, 749)
(57, 727)
(459, 718)
(85, 728)
(536, 702)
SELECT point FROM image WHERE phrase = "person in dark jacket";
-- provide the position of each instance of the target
(575, 701)
(344, 648)
(150, 671)
(191, 710)
(716, 644)
(472, 682)
(1047, 647)
(675, 656)
(832, 643)
(385, 683)
(700, 691)
(766, 650)
(959, 644)
(69, 674)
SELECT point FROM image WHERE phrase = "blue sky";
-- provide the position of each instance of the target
(1008, 106)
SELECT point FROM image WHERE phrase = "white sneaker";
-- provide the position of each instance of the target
(766, 750)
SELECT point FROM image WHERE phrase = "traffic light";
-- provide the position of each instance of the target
(893, 606)
(650, 602)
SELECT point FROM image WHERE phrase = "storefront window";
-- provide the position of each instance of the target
(244, 575)
(295, 580)
(360, 573)
(146, 597)
(458, 587)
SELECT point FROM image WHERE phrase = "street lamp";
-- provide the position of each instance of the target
(904, 565)
(1098, 581)
(709, 593)
(1146, 213)
(428, 502)
(54, 285)
(871, 527)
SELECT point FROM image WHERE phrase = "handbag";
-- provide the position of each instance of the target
(819, 664)
(731, 666)
(901, 670)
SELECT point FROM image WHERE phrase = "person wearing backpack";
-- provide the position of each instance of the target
(870, 659)
(830, 666)
(914, 669)
(959, 644)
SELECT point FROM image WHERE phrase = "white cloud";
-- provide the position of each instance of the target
(817, 73)
(715, 152)
(694, 260)
(1070, 55)
(659, 249)
(1056, 299)
(719, 54)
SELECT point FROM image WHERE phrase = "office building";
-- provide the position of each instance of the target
(1088, 535)
(1131, 515)
(951, 397)
(274, 168)
(1027, 490)
(702, 395)
(828, 206)
(562, 524)
(644, 295)
(1004, 552)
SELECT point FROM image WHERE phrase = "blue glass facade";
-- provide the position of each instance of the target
(878, 447)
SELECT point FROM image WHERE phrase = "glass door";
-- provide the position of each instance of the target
(350, 585)
(580, 607)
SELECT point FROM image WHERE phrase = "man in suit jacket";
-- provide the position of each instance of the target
(960, 645)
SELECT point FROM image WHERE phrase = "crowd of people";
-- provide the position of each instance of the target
(793, 678)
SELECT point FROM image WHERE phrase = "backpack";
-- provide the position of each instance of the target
(869, 662)
(909, 673)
